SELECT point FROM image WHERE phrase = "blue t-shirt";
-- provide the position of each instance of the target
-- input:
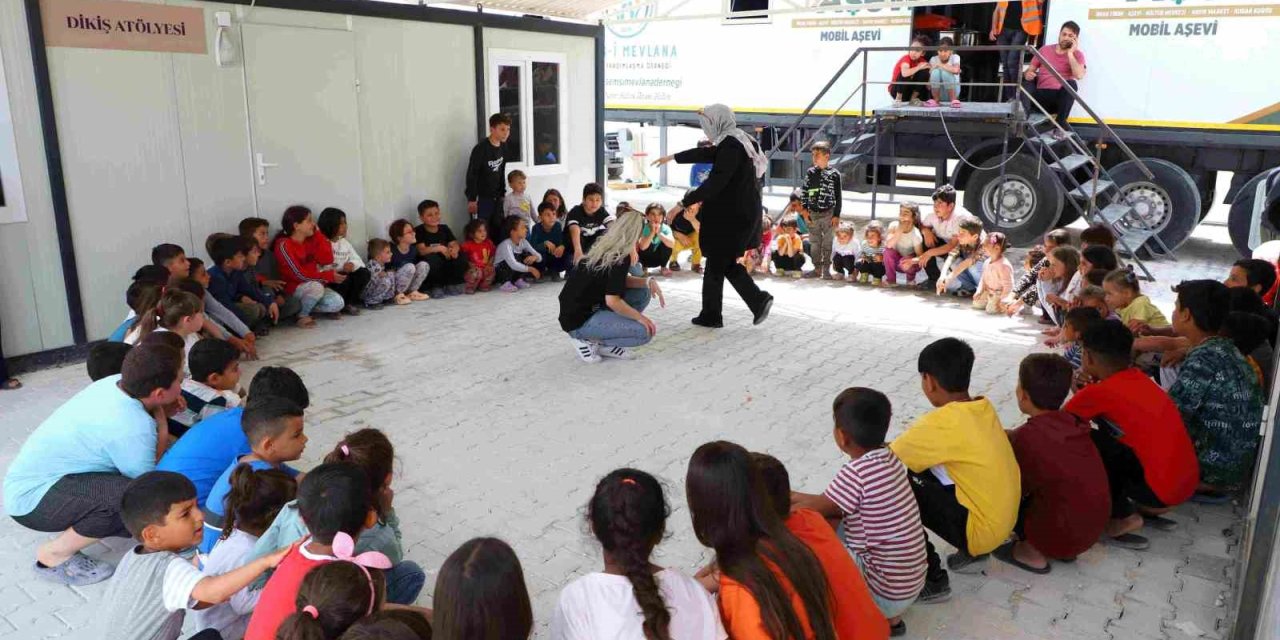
(100, 429)
(205, 450)
(222, 486)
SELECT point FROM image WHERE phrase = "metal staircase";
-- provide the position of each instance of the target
(860, 148)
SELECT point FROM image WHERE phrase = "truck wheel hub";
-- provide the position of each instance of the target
(1150, 203)
(1010, 203)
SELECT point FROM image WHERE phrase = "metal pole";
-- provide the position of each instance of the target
(875, 168)
(662, 146)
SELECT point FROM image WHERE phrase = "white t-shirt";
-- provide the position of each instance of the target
(907, 242)
(946, 229)
(601, 605)
(851, 248)
(230, 618)
(953, 60)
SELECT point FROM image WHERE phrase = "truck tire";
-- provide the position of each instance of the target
(1169, 201)
(1240, 218)
(1032, 199)
(1207, 183)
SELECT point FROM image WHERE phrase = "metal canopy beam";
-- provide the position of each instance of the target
(868, 5)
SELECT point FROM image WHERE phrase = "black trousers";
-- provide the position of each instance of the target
(1127, 480)
(933, 268)
(871, 268)
(353, 287)
(907, 90)
(1012, 60)
(444, 272)
(4, 367)
(86, 502)
(657, 255)
(490, 210)
(504, 273)
(942, 514)
(844, 265)
(718, 269)
(788, 263)
(1055, 101)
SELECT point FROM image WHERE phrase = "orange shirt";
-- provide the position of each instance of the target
(856, 614)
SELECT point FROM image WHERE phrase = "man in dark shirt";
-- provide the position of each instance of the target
(486, 175)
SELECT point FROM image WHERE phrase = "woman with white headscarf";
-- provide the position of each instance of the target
(728, 206)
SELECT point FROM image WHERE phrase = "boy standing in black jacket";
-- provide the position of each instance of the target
(822, 204)
(486, 174)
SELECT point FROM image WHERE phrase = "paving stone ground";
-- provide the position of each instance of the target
(499, 430)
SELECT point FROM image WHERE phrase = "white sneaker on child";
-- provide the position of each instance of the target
(587, 351)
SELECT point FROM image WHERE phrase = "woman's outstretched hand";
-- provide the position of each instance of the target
(663, 160)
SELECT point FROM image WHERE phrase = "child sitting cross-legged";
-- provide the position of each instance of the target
(547, 236)
(963, 471)
(404, 256)
(386, 285)
(1124, 296)
(962, 272)
(275, 431)
(154, 586)
(479, 251)
(1028, 290)
(212, 387)
(370, 450)
(255, 499)
(1066, 500)
(871, 257)
(788, 252)
(481, 586)
(337, 506)
(844, 253)
(1073, 326)
(628, 517)
(1149, 459)
(516, 261)
(854, 614)
(997, 275)
(872, 496)
(231, 286)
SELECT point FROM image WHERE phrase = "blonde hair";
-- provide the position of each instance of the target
(617, 243)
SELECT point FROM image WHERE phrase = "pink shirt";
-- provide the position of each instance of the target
(1045, 79)
(997, 277)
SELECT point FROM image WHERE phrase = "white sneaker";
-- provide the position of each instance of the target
(587, 351)
(621, 353)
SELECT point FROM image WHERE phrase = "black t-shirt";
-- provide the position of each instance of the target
(442, 235)
(1013, 17)
(486, 171)
(590, 226)
(583, 293)
(681, 224)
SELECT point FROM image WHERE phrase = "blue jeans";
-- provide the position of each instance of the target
(1012, 60)
(405, 582)
(613, 330)
(947, 84)
(966, 280)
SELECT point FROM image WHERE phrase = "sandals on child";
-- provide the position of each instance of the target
(12, 384)
(418, 296)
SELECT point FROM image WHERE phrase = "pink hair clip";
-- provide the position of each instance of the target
(346, 453)
(311, 611)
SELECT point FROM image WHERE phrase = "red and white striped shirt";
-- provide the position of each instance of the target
(882, 523)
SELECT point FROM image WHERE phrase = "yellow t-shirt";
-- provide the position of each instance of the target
(966, 438)
(1143, 311)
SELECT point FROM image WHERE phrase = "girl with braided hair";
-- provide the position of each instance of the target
(633, 598)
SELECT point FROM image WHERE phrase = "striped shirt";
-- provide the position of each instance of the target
(882, 523)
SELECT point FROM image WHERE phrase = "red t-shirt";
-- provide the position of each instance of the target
(479, 254)
(1152, 427)
(897, 69)
(854, 613)
(1069, 501)
(279, 597)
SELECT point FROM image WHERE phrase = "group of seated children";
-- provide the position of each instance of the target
(1102, 463)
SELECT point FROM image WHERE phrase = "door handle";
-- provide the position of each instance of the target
(262, 168)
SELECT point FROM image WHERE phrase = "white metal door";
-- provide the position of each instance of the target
(303, 120)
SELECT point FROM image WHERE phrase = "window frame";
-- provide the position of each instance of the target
(729, 19)
(524, 60)
(13, 208)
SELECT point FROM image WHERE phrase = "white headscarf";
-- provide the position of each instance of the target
(718, 123)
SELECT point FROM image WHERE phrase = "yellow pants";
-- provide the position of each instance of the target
(696, 258)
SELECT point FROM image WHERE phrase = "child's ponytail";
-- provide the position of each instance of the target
(333, 597)
(174, 305)
(255, 499)
(628, 515)
(370, 450)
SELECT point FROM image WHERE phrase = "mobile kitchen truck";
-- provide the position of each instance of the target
(1181, 90)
